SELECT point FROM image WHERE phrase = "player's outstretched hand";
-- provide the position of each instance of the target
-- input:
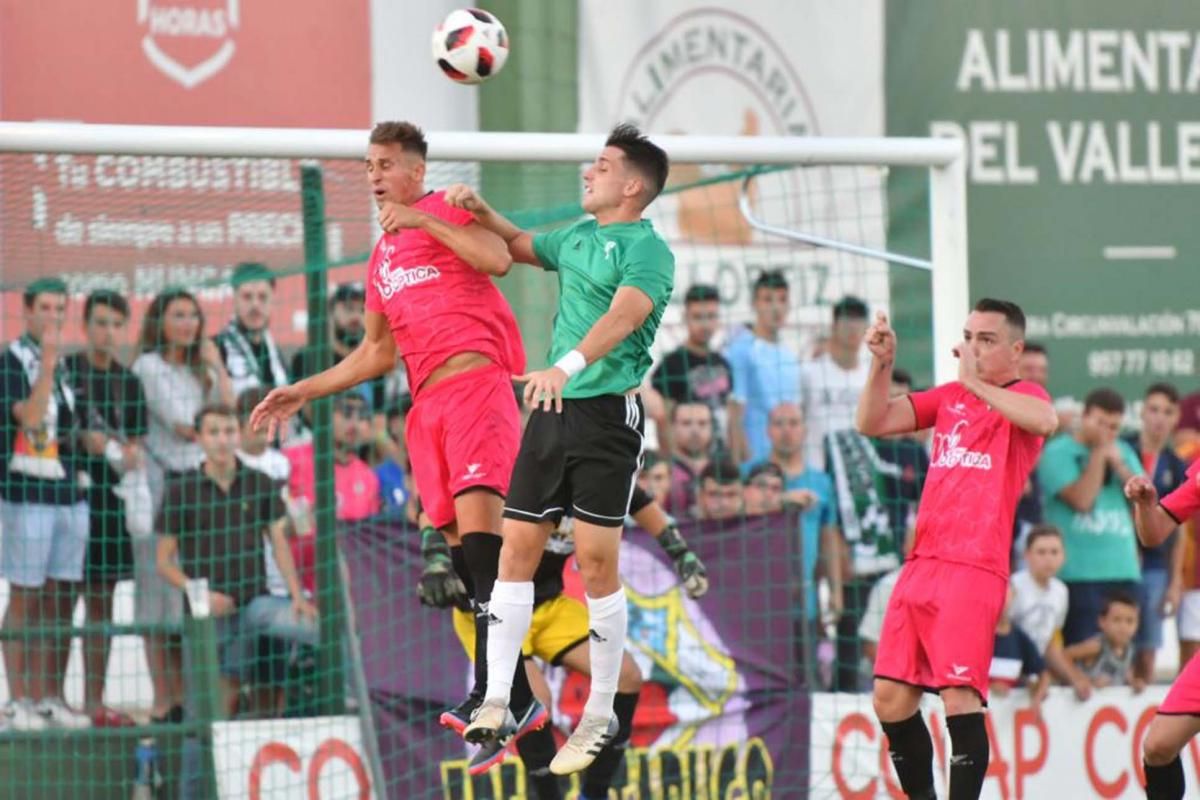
(275, 409)
(544, 388)
(688, 566)
(396, 216)
(462, 196)
(1140, 489)
(881, 339)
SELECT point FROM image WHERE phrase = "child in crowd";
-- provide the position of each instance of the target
(1107, 658)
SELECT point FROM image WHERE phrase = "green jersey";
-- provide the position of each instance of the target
(592, 262)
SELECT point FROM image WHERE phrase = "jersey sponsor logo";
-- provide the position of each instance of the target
(948, 453)
(173, 29)
(391, 281)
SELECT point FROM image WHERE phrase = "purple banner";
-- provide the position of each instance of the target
(723, 706)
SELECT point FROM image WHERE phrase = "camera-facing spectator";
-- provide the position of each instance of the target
(762, 489)
(247, 348)
(1187, 433)
(180, 371)
(1034, 364)
(1016, 660)
(832, 382)
(212, 526)
(1107, 657)
(720, 494)
(44, 515)
(692, 435)
(112, 418)
(1083, 475)
(655, 476)
(766, 372)
(1161, 588)
(1040, 603)
(694, 372)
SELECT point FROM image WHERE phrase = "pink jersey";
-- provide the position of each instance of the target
(355, 485)
(436, 305)
(1182, 503)
(979, 464)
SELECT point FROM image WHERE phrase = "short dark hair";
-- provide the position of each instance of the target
(248, 399)
(769, 279)
(214, 410)
(43, 286)
(1167, 390)
(647, 158)
(701, 293)
(410, 138)
(765, 468)
(249, 272)
(676, 406)
(722, 470)
(1105, 399)
(349, 292)
(1036, 347)
(1042, 530)
(1117, 596)
(850, 307)
(108, 298)
(902, 376)
(1012, 312)
(651, 459)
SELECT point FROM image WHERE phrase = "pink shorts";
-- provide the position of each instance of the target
(463, 432)
(939, 629)
(1184, 696)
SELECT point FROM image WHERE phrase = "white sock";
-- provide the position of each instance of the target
(608, 618)
(512, 610)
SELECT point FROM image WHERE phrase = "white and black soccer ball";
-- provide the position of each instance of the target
(470, 45)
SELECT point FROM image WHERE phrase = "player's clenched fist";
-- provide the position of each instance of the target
(462, 196)
(1140, 489)
(395, 216)
(881, 339)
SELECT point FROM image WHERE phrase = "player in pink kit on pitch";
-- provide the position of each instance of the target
(430, 298)
(939, 627)
(1178, 718)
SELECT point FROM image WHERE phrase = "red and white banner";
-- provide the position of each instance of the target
(1072, 750)
(282, 759)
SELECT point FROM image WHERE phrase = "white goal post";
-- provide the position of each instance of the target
(944, 159)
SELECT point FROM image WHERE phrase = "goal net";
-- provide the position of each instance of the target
(120, 679)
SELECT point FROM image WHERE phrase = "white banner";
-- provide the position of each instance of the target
(753, 68)
(281, 759)
(1072, 751)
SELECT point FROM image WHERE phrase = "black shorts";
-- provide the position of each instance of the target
(582, 462)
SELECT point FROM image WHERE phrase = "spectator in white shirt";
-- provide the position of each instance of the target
(1040, 604)
(831, 382)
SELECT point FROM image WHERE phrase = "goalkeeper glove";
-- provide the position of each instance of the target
(688, 565)
(439, 587)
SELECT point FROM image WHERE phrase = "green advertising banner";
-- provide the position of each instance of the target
(1083, 130)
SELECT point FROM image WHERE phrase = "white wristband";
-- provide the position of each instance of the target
(572, 363)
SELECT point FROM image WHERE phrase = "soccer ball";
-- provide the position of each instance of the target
(470, 45)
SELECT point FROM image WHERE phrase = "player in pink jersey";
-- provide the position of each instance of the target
(939, 627)
(1178, 718)
(430, 298)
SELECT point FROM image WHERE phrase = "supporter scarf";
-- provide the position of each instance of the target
(35, 450)
(858, 474)
(243, 365)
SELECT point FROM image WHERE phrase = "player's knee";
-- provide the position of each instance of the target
(1159, 748)
(630, 679)
(961, 701)
(893, 701)
(596, 569)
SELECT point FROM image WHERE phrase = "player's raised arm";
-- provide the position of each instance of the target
(479, 247)
(374, 356)
(879, 414)
(519, 242)
(1029, 413)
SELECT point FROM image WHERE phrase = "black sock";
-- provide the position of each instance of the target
(970, 751)
(911, 750)
(1165, 782)
(537, 750)
(481, 558)
(599, 776)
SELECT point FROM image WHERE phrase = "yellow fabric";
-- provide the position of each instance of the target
(557, 625)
